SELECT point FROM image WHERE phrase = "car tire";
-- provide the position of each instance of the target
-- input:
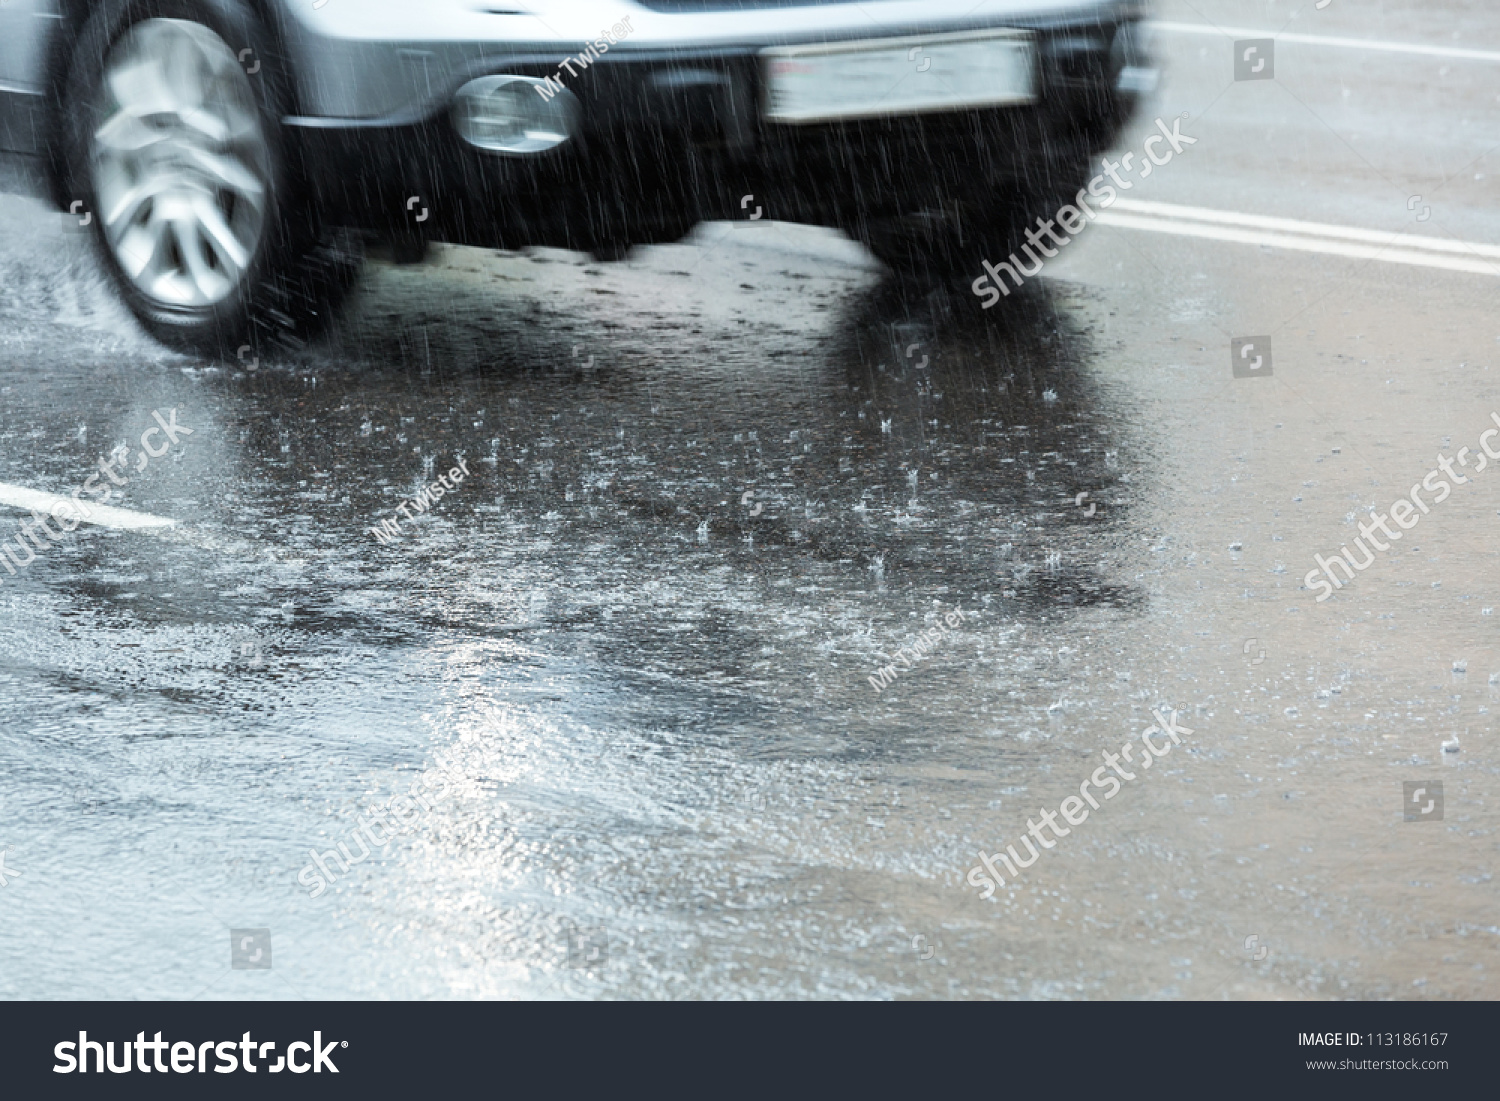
(946, 244)
(173, 142)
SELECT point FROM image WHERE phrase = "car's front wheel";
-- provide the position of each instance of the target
(175, 148)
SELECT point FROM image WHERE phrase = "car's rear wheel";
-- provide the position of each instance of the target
(947, 243)
(175, 147)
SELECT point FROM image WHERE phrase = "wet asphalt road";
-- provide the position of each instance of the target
(711, 491)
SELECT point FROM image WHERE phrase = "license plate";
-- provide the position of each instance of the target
(899, 76)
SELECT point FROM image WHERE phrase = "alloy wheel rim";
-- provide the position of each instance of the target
(181, 164)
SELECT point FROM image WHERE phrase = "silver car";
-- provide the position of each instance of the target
(233, 158)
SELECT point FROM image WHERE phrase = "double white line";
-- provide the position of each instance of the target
(1287, 233)
(1376, 45)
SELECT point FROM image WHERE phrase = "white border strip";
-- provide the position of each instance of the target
(1320, 40)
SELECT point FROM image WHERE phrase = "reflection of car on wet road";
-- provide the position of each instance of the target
(214, 147)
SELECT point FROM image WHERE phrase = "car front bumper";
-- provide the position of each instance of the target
(672, 136)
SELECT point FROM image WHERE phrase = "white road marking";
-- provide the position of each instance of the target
(1311, 229)
(1301, 244)
(1322, 40)
(121, 519)
(1287, 233)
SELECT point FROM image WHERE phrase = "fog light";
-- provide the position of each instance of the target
(515, 114)
(1131, 59)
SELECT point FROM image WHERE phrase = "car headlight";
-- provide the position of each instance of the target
(515, 114)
